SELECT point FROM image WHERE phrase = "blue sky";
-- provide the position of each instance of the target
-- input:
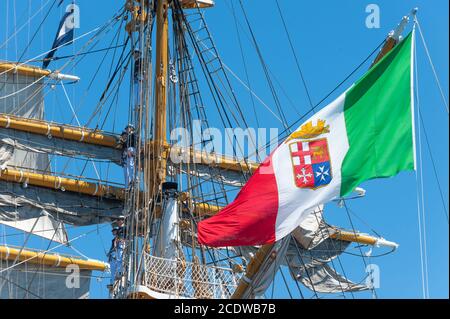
(330, 39)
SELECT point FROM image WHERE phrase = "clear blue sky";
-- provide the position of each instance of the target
(330, 39)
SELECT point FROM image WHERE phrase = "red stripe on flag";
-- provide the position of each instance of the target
(250, 219)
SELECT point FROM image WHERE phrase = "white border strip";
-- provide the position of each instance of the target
(413, 51)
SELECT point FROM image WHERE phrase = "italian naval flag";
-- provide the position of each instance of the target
(366, 133)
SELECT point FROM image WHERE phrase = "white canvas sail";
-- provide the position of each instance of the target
(18, 203)
(30, 281)
(44, 226)
(23, 95)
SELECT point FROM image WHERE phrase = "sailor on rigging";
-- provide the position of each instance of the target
(115, 255)
(128, 139)
(121, 230)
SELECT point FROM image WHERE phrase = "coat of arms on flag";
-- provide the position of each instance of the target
(311, 159)
(311, 162)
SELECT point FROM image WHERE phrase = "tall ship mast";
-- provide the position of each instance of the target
(175, 174)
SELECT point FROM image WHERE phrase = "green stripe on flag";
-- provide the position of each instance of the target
(378, 120)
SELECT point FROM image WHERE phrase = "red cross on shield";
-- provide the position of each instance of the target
(309, 160)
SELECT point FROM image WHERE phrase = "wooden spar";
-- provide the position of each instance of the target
(192, 4)
(26, 70)
(218, 160)
(32, 71)
(388, 46)
(89, 136)
(213, 160)
(362, 239)
(200, 209)
(83, 187)
(159, 160)
(252, 269)
(47, 259)
(58, 130)
(206, 209)
(351, 236)
(392, 39)
(63, 183)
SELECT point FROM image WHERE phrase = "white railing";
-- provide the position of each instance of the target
(179, 278)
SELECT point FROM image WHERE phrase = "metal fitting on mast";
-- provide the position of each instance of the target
(170, 189)
(138, 15)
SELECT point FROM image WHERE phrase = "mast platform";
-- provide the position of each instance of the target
(180, 279)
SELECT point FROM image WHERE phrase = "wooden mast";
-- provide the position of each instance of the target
(160, 116)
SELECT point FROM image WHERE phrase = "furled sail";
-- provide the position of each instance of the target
(266, 274)
(18, 202)
(311, 249)
(25, 142)
(225, 176)
(307, 253)
(22, 94)
(312, 270)
(15, 140)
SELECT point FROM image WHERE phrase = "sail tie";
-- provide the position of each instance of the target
(7, 252)
(58, 182)
(48, 131)
(59, 260)
(21, 176)
(96, 189)
(8, 121)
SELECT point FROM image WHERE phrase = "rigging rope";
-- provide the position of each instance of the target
(217, 95)
(295, 57)
(78, 122)
(416, 21)
(37, 30)
(48, 246)
(22, 89)
(244, 63)
(374, 293)
(419, 189)
(79, 54)
(296, 122)
(44, 53)
(265, 69)
(20, 251)
(24, 25)
(441, 193)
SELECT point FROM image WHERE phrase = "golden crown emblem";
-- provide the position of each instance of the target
(308, 130)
